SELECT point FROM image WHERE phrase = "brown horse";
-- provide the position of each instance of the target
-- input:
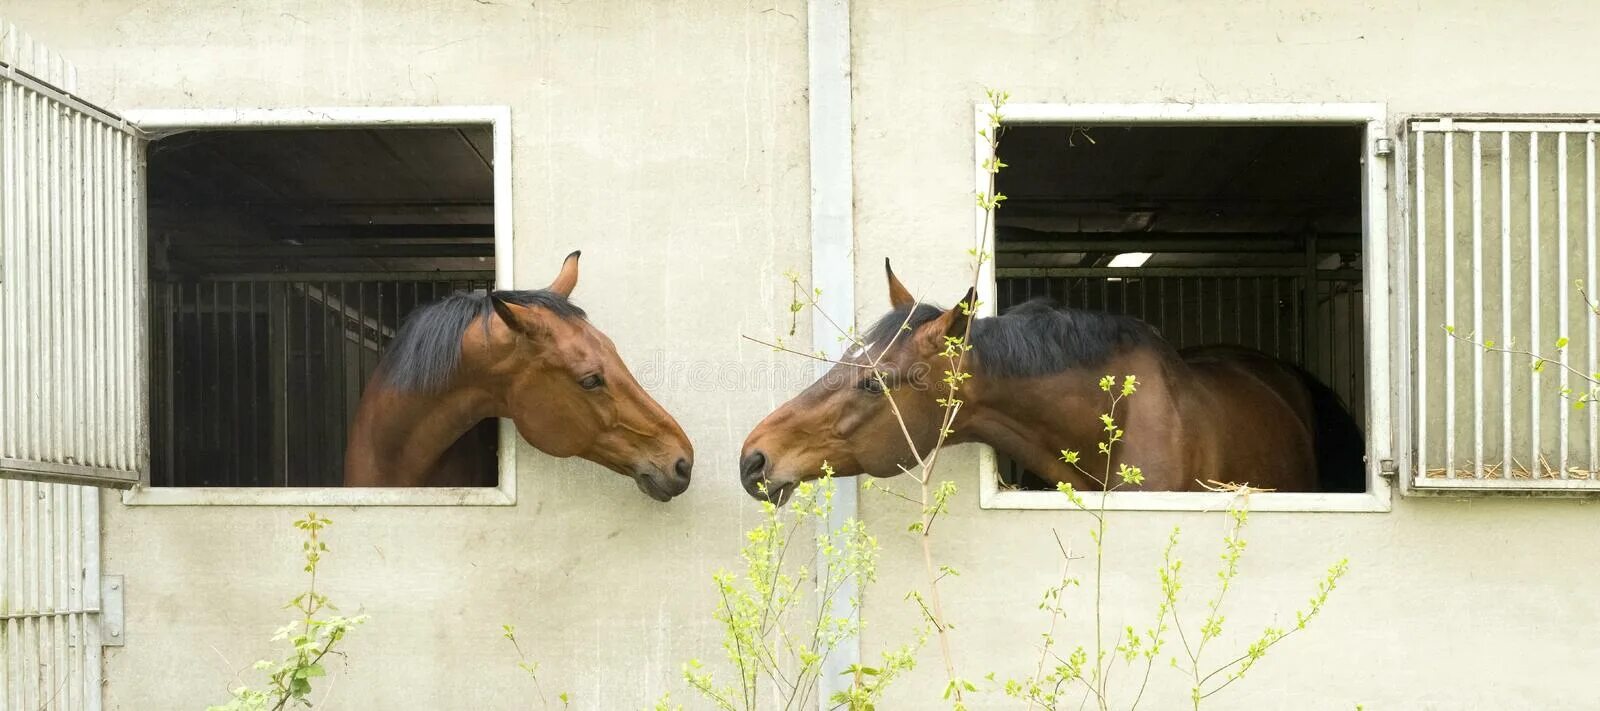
(1215, 413)
(530, 356)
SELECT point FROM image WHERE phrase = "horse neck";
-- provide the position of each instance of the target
(399, 437)
(1033, 419)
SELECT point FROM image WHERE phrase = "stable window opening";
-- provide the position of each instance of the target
(1213, 232)
(282, 262)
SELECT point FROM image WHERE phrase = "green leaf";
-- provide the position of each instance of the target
(1561, 342)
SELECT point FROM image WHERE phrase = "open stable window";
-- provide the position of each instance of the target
(1502, 219)
(1231, 225)
(286, 248)
(283, 263)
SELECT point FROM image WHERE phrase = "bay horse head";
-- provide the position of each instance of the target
(531, 357)
(845, 420)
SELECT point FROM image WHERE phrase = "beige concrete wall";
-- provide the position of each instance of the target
(1449, 604)
(668, 141)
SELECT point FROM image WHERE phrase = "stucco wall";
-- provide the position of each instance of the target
(1449, 604)
(669, 142)
(666, 141)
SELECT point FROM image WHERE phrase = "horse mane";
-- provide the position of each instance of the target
(1037, 337)
(427, 350)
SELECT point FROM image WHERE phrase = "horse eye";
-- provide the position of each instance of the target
(592, 382)
(871, 385)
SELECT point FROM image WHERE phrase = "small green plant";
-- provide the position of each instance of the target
(509, 632)
(1088, 670)
(311, 639)
(777, 625)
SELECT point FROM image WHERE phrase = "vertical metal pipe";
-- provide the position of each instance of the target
(307, 460)
(1589, 284)
(330, 384)
(344, 379)
(278, 376)
(1562, 300)
(1477, 303)
(1536, 455)
(1450, 303)
(236, 399)
(1421, 207)
(1506, 306)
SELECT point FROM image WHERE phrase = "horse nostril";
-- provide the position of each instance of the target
(752, 465)
(682, 468)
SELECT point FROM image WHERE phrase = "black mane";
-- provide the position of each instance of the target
(1034, 338)
(426, 351)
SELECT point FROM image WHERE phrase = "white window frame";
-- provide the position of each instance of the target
(158, 121)
(1378, 250)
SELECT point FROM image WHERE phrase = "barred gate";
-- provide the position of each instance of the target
(71, 387)
(1503, 218)
(255, 378)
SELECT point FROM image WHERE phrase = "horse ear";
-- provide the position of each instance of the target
(962, 314)
(568, 278)
(898, 294)
(509, 316)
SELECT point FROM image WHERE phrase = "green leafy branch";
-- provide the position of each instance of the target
(311, 639)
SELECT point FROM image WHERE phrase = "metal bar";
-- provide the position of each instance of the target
(214, 385)
(1449, 238)
(1216, 289)
(235, 417)
(60, 96)
(223, 252)
(254, 397)
(8, 231)
(1589, 283)
(325, 390)
(1422, 306)
(344, 385)
(1477, 304)
(1277, 317)
(1490, 126)
(1535, 339)
(281, 277)
(1506, 408)
(55, 278)
(278, 378)
(302, 470)
(1183, 315)
(1186, 272)
(1177, 242)
(1310, 350)
(1563, 305)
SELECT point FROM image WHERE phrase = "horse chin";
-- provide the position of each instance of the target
(648, 486)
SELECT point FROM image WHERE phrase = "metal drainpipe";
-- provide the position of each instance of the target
(832, 253)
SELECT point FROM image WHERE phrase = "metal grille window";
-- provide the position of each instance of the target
(1503, 225)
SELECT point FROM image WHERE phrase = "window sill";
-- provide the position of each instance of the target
(991, 496)
(503, 495)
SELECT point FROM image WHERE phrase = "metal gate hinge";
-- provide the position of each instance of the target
(1384, 146)
(111, 632)
(1387, 469)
